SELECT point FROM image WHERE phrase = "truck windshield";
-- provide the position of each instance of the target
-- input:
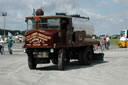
(30, 24)
(49, 23)
(44, 23)
(122, 33)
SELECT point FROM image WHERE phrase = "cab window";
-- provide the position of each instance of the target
(51, 23)
(122, 33)
(30, 24)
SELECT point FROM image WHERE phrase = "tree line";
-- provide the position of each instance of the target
(13, 32)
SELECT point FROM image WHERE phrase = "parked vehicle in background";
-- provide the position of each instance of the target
(123, 39)
(115, 36)
(101, 36)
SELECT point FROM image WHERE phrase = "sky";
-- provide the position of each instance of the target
(109, 17)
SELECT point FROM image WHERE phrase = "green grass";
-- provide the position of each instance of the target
(114, 41)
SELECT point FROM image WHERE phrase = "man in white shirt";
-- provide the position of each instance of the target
(107, 42)
(2, 42)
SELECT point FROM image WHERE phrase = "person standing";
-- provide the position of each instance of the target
(95, 46)
(2, 42)
(10, 43)
(107, 42)
(1, 47)
(103, 42)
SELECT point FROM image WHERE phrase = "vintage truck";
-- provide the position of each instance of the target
(59, 39)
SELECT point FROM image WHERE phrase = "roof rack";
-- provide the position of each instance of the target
(61, 14)
(78, 16)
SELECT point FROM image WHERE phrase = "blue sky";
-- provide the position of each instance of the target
(107, 16)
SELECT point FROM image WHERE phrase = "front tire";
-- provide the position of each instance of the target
(54, 61)
(61, 59)
(31, 61)
(54, 58)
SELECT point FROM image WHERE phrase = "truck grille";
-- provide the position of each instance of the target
(37, 39)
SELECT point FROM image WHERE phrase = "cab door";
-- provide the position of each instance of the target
(66, 30)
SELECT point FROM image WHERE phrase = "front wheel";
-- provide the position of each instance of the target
(31, 62)
(61, 59)
(54, 61)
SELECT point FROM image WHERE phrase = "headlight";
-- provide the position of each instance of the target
(51, 50)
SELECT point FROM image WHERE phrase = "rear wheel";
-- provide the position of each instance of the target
(80, 58)
(67, 57)
(67, 60)
(31, 61)
(61, 60)
(87, 56)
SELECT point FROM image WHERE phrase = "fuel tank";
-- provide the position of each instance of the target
(80, 24)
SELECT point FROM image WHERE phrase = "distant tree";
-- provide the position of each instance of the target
(13, 32)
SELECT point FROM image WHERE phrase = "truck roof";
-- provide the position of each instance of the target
(49, 17)
(60, 16)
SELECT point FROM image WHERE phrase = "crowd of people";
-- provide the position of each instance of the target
(9, 43)
(104, 43)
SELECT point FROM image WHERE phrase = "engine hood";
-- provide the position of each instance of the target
(46, 32)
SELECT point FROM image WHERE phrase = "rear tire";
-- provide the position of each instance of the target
(67, 57)
(80, 58)
(87, 56)
(61, 60)
(31, 61)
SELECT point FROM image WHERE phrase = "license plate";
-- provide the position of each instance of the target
(42, 55)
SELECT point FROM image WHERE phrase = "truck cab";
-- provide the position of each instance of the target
(45, 31)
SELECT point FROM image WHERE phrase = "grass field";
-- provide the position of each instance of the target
(114, 41)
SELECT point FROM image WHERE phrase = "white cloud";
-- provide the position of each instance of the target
(88, 12)
(120, 1)
(116, 1)
(18, 10)
(102, 3)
